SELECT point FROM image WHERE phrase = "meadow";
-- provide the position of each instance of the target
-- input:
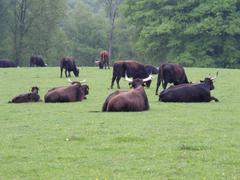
(73, 141)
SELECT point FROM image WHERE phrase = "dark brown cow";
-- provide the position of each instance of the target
(68, 63)
(170, 73)
(132, 68)
(104, 60)
(27, 97)
(199, 92)
(132, 100)
(71, 93)
(37, 60)
(5, 63)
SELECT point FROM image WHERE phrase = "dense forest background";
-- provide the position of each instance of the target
(203, 33)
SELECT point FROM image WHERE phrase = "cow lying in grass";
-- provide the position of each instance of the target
(199, 92)
(132, 100)
(27, 97)
(71, 93)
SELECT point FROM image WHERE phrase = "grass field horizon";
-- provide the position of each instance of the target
(71, 141)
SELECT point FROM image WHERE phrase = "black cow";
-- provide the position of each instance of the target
(27, 97)
(71, 93)
(189, 92)
(132, 68)
(132, 100)
(36, 60)
(68, 63)
(170, 73)
(151, 69)
(5, 63)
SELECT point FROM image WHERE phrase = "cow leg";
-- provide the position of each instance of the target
(158, 84)
(117, 80)
(66, 72)
(69, 75)
(215, 99)
(61, 70)
(113, 79)
(164, 85)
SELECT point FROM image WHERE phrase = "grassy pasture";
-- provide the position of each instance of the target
(68, 141)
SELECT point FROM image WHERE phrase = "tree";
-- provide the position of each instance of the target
(112, 9)
(193, 33)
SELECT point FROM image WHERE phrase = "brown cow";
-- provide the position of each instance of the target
(27, 97)
(132, 68)
(132, 100)
(68, 63)
(71, 93)
(170, 73)
(104, 60)
(37, 60)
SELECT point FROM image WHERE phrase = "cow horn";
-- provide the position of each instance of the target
(127, 78)
(97, 62)
(150, 77)
(212, 78)
(69, 80)
(83, 81)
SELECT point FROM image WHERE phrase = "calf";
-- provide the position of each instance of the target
(27, 97)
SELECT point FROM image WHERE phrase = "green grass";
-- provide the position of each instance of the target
(69, 141)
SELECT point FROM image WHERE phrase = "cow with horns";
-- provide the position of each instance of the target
(68, 63)
(199, 92)
(37, 60)
(104, 60)
(71, 93)
(27, 97)
(132, 100)
(132, 68)
(170, 73)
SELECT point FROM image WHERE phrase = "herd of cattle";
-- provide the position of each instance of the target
(137, 74)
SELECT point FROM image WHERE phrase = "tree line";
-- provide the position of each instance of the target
(200, 33)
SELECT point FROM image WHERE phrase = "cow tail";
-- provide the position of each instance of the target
(160, 78)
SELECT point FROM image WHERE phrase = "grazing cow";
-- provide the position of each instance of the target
(132, 100)
(36, 60)
(27, 97)
(151, 69)
(132, 68)
(68, 63)
(170, 73)
(104, 60)
(71, 93)
(5, 63)
(199, 92)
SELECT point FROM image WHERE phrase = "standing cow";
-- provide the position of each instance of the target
(199, 92)
(71, 93)
(132, 68)
(132, 100)
(68, 63)
(104, 60)
(170, 73)
(27, 97)
(5, 63)
(36, 60)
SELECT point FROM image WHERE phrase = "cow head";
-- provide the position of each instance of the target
(35, 89)
(208, 81)
(134, 83)
(76, 72)
(85, 89)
